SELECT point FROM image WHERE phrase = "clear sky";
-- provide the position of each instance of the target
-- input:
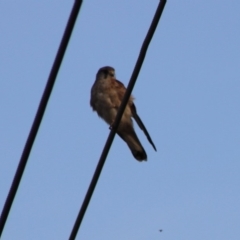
(187, 94)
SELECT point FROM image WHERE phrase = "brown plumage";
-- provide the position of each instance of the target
(106, 96)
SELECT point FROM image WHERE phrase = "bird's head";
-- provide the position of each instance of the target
(104, 72)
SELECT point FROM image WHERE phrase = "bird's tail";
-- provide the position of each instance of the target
(130, 137)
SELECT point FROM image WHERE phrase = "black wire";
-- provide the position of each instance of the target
(117, 120)
(39, 114)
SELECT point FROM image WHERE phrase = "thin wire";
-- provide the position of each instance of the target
(117, 120)
(40, 113)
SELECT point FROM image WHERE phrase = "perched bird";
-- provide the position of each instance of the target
(106, 96)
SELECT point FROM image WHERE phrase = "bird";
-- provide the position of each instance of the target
(106, 96)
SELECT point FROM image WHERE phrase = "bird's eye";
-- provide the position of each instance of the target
(111, 74)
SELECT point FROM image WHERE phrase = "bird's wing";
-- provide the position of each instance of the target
(121, 91)
(119, 86)
(141, 125)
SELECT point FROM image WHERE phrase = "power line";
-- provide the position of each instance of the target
(117, 120)
(40, 113)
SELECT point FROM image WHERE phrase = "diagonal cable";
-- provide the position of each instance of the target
(40, 113)
(117, 120)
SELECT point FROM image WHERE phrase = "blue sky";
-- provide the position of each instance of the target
(187, 94)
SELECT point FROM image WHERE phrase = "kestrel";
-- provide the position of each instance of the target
(106, 96)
